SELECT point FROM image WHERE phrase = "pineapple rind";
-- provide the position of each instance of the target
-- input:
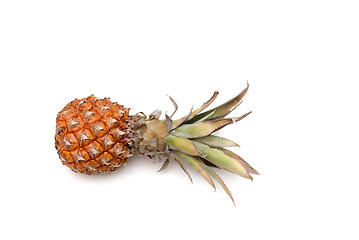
(92, 135)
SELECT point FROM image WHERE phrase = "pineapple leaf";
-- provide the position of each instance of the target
(157, 129)
(180, 163)
(222, 160)
(208, 163)
(202, 129)
(219, 180)
(224, 109)
(174, 105)
(216, 141)
(223, 115)
(205, 117)
(155, 114)
(178, 122)
(194, 163)
(182, 144)
(161, 144)
(205, 105)
(239, 159)
(192, 114)
(168, 122)
(164, 165)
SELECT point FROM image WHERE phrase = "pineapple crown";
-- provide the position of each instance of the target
(189, 139)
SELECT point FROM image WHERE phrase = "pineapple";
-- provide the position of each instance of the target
(98, 136)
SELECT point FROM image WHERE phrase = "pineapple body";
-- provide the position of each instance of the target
(91, 135)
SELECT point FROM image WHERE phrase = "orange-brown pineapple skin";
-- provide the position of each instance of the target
(91, 135)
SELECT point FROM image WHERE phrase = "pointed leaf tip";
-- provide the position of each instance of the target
(174, 105)
(241, 160)
(219, 180)
(222, 160)
(180, 121)
(180, 163)
(204, 106)
(224, 109)
(195, 164)
(164, 165)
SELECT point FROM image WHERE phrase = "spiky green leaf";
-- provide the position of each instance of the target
(195, 164)
(204, 106)
(183, 145)
(205, 117)
(192, 114)
(180, 163)
(241, 160)
(222, 110)
(178, 122)
(205, 128)
(222, 160)
(218, 179)
(216, 141)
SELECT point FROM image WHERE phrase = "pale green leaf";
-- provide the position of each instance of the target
(222, 160)
(202, 129)
(219, 180)
(216, 141)
(193, 162)
(241, 160)
(224, 109)
(180, 163)
(205, 105)
(183, 145)
(192, 114)
(178, 122)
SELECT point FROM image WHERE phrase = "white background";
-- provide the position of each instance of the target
(301, 61)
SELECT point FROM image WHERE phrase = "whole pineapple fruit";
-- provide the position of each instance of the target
(98, 136)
